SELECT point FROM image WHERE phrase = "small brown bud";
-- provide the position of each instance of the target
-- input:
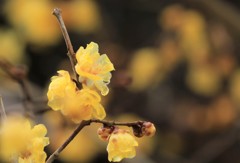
(148, 129)
(105, 132)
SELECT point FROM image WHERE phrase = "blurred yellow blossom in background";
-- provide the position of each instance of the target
(31, 19)
(93, 68)
(81, 16)
(171, 17)
(11, 49)
(204, 80)
(190, 27)
(22, 143)
(144, 69)
(193, 37)
(235, 86)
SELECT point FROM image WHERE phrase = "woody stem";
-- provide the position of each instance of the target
(54, 155)
(71, 54)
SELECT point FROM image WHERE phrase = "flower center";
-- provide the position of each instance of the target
(25, 154)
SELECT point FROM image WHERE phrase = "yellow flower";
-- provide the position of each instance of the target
(121, 145)
(83, 105)
(93, 68)
(57, 89)
(76, 104)
(21, 143)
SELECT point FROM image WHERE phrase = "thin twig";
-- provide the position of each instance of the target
(71, 54)
(2, 110)
(113, 123)
(72, 57)
(27, 95)
(81, 126)
(64, 145)
(18, 75)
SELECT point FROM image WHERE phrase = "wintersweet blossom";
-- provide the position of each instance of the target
(121, 145)
(93, 68)
(76, 104)
(57, 89)
(82, 105)
(22, 143)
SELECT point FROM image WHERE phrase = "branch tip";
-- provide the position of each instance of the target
(57, 11)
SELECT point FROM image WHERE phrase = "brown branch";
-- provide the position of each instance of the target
(27, 95)
(72, 57)
(53, 156)
(18, 74)
(71, 54)
(64, 145)
(2, 110)
(113, 123)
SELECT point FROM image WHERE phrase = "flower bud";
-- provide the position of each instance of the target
(148, 129)
(105, 132)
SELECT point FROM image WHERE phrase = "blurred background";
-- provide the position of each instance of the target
(177, 65)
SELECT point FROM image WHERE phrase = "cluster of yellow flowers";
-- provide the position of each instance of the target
(21, 143)
(94, 73)
(24, 144)
(77, 104)
(83, 104)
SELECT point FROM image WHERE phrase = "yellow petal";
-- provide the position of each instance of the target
(39, 130)
(99, 112)
(102, 87)
(121, 145)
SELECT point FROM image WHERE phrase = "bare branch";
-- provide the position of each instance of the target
(71, 137)
(2, 110)
(18, 74)
(71, 54)
(81, 126)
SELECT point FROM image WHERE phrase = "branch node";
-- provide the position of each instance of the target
(57, 12)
